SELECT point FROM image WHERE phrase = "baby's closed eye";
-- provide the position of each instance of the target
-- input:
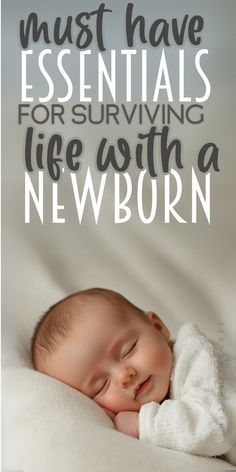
(129, 349)
(103, 387)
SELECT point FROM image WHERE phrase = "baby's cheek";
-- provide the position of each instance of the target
(155, 355)
(151, 355)
(106, 401)
(163, 357)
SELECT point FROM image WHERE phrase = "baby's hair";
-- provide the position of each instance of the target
(58, 320)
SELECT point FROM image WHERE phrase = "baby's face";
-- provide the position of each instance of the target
(115, 357)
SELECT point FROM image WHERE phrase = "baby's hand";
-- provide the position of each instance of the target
(127, 422)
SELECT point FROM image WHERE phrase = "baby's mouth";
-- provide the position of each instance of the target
(141, 388)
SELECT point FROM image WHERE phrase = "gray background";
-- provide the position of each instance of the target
(183, 271)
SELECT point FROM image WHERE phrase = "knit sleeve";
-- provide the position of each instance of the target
(195, 420)
(186, 426)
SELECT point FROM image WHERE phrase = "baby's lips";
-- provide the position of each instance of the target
(139, 388)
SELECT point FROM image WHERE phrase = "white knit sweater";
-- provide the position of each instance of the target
(200, 416)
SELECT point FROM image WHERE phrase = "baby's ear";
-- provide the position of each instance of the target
(156, 321)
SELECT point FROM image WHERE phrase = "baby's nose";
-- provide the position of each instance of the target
(126, 375)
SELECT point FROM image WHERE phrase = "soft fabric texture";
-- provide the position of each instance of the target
(55, 428)
(200, 416)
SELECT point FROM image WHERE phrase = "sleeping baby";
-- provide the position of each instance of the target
(179, 395)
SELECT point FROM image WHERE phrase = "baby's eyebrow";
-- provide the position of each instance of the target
(115, 344)
(123, 338)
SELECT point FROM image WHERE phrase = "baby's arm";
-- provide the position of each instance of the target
(177, 424)
(185, 425)
(127, 422)
(195, 420)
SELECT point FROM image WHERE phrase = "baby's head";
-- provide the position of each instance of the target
(107, 348)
